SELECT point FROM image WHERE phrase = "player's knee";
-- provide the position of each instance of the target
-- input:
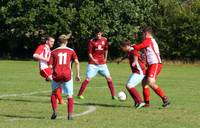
(109, 79)
(88, 79)
(50, 78)
(55, 91)
(151, 82)
(144, 82)
(70, 96)
(128, 86)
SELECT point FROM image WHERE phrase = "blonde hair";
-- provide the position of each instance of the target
(64, 38)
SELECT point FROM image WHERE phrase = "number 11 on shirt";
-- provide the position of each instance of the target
(62, 58)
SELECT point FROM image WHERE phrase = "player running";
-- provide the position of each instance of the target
(98, 52)
(60, 62)
(42, 54)
(154, 65)
(138, 72)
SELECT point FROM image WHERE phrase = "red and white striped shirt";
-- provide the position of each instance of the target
(151, 49)
(43, 50)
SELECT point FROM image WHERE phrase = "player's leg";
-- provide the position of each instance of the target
(90, 73)
(146, 92)
(103, 70)
(46, 73)
(68, 90)
(59, 96)
(55, 86)
(154, 71)
(133, 81)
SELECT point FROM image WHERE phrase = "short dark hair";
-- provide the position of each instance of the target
(97, 30)
(148, 29)
(125, 43)
(49, 37)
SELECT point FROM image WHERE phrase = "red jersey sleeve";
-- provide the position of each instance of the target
(39, 49)
(90, 47)
(135, 53)
(74, 56)
(144, 44)
(51, 60)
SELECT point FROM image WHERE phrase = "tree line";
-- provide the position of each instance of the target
(25, 23)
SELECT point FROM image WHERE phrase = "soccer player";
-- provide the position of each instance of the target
(98, 52)
(138, 72)
(42, 54)
(154, 65)
(60, 62)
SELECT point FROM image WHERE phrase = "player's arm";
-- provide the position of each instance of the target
(142, 45)
(135, 60)
(123, 58)
(77, 64)
(90, 47)
(106, 51)
(135, 55)
(39, 57)
(106, 55)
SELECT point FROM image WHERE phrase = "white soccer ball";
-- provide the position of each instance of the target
(122, 96)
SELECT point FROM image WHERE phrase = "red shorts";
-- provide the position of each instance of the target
(45, 72)
(153, 70)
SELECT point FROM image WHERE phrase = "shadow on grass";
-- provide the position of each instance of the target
(23, 100)
(21, 117)
(103, 105)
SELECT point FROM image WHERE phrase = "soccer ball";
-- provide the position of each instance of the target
(122, 96)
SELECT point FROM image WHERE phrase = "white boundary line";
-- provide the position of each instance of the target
(33, 93)
(89, 110)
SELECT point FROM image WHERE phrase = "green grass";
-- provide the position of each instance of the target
(180, 82)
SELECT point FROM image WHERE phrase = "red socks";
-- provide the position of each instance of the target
(111, 87)
(70, 106)
(59, 92)
(53, 101)
(159, 92)
(135, 95)
(146, 94)
(83, 86)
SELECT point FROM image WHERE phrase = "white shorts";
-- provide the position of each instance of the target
(134, 80)
(93, 69)
(67, 87)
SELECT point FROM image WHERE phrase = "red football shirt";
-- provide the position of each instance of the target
(134, 67)
(43, 50)
(97, 48)
(151, 49)
(61, 61)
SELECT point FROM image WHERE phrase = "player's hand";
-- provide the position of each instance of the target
(78, 79)
(133, 64)
(46, 59)
(118, 61)
(105, 60)
(96, 61)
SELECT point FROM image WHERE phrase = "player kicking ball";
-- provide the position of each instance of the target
(98, 52)
(60, 62)
(138, 72)
(154, 66)
(42, 54)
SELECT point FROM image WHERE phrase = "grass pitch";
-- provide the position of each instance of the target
(25, 100)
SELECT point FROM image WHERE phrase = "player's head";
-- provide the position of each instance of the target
(63, 39)
(98, 32)
(125, 45)
(147, 32)
(50, 41)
